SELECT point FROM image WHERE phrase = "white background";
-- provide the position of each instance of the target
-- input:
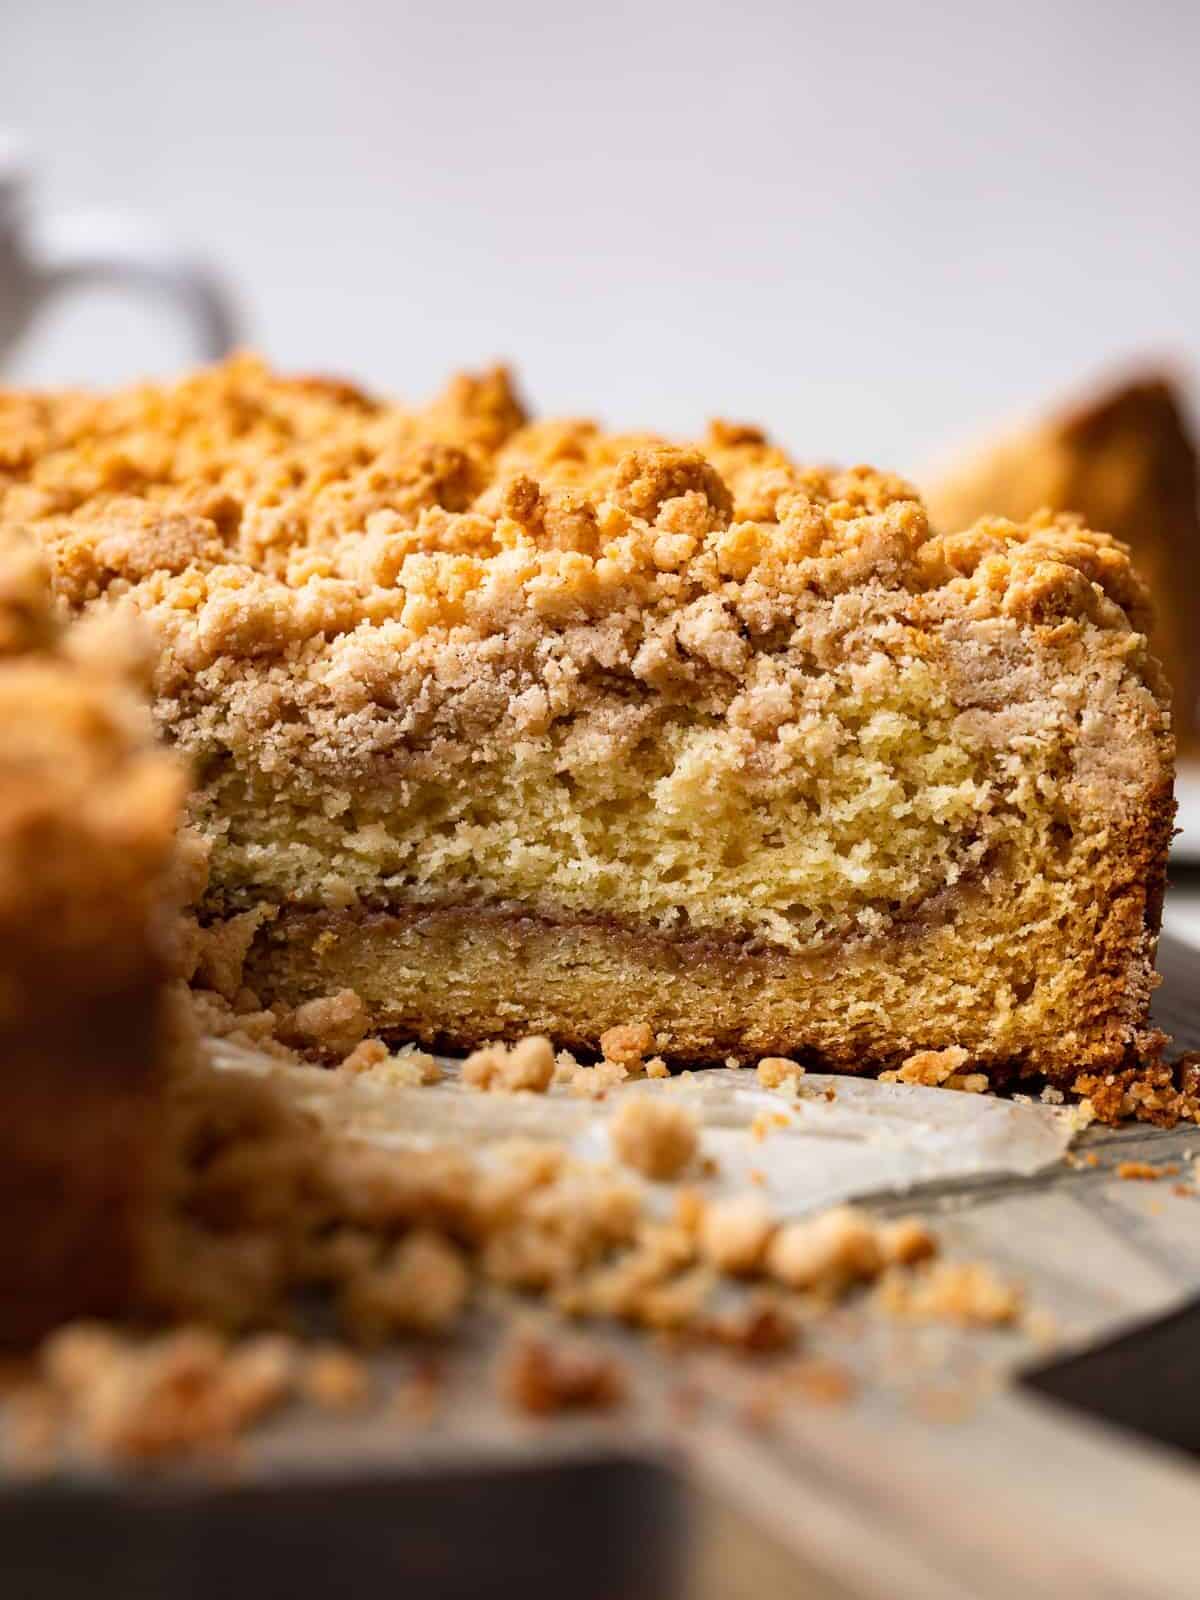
(877, 227)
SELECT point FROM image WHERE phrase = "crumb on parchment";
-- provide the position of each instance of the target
(778, 1072)
(965, 1292)
(656, 1137)
(541, 1374)
(499, 1068)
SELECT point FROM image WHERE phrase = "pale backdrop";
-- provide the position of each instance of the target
(876, 226)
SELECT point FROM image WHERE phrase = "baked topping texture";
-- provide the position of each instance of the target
(447, 659)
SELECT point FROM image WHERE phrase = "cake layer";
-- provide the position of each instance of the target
(1027, 974)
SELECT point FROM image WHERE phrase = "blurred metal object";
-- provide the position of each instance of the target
(41, 257)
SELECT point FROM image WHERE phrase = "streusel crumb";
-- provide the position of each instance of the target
(335, 1379)
(656, 1137)
(827, 1253)
(735, 1232)
(334, 1024)
(528, 1064)
(964, 1292)
(542, 1375)
(929, 1067)
(627, 1044)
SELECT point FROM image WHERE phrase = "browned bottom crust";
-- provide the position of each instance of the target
(455, 976)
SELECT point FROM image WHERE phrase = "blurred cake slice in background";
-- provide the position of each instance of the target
(88, 813)
(1125, 459)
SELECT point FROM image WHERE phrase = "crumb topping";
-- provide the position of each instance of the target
(378, 551)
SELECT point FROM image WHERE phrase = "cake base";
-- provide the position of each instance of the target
(1006, 988)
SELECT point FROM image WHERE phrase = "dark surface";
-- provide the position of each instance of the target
(592, 1529)
(1144, 1380)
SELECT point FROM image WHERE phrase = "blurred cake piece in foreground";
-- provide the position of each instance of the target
(1125, 459)
(88, 813)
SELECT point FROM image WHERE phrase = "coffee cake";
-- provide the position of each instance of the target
(515, 726)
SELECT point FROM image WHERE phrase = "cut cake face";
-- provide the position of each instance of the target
(519, 726)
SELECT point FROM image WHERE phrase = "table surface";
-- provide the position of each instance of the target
(940, 1480)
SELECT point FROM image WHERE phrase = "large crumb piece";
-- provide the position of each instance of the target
(335, 1379)
(734, 1232)
(656, 1137)
(422, 1284)
(929, 1067)
(907, 1241)
(628, 1044)
(541, 1375)
(827, 1253)
(333, 1025)
(778, 1072)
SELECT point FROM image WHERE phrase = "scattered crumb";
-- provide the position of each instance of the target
(766, 1122)
(735, 1232)
(528, 1064)
(333, 1025)
(137, 1401)
(968, 1082)
(778, 1072)
(409, 1068)
(421, 1285)
(627, 1044)
(758, 1325)
(1146, 1171)
(963, 1292)
(595, 1082)
(907, 1241)
(365, 1056)
(928, 1067)
(335, 1379)
(656, 1067)
(542, 1376)
(656, 1137)
(417, 1398)
(827, 1253)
